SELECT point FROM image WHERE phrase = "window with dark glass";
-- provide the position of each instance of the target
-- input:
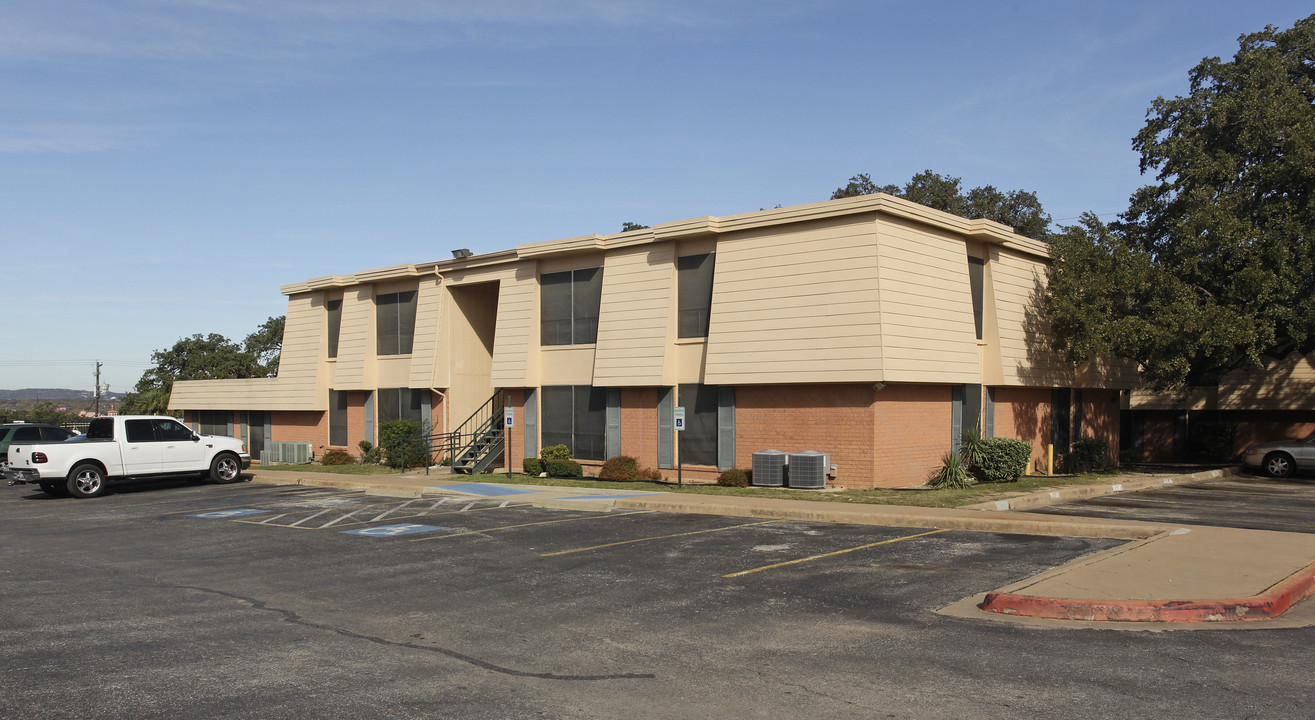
(139, 431)
(976, 281)
(694, 302)
(395, 322)
(575, 416)
(568, 306)
(698, 442)
(214, 422)
(400, 404)
(334, 308)
(338, 418)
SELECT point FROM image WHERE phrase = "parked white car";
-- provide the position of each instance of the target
(125, 446)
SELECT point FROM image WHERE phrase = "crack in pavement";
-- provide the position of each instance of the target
(296, 619)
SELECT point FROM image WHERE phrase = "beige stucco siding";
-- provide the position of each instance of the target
(635, 316)
(299, 376)
(517, 326)
(927, 331)
(1284, 384)
(356, 345)
(424, 347)
(1025, 356)
(796, 305)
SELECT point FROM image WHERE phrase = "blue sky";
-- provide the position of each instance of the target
(167, 165)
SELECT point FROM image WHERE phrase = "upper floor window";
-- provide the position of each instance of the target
(569, 304)
(395, 316)
(694, 302)
(334, 307)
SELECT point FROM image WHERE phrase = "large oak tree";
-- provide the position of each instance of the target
(1212, 267)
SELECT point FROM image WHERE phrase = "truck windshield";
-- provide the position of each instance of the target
(101, 429)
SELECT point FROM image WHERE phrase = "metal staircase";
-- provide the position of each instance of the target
(478, 442)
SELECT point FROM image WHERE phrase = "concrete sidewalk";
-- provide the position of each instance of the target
(1167, 573)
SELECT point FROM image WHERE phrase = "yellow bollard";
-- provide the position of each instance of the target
(1050, 459)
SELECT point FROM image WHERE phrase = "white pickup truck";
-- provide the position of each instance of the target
(124, 446)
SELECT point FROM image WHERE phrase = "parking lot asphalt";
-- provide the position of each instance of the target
(255, 600)
(1240, 501)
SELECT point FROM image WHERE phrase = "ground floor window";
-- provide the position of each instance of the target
(401, 404)
(215, 422)
(575, 416)
(338, 418)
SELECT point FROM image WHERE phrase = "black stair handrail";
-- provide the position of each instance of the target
(462, 445)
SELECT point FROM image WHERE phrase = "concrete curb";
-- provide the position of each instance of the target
(1270, 604)
(1078, 492)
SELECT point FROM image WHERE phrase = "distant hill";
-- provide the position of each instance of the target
(55, 395)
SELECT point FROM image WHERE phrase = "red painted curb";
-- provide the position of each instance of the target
(1270, 604)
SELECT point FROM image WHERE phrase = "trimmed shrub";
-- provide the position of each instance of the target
(952, 474)
(555, 452)
(532, 466)
(621, 468)
(563, 468)
(405, 443)
(337, 457)
(735, 477)
(1212, 440)
(1002, 460)
(1088, 454)
(651, 474)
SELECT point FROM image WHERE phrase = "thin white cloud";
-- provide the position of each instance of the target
(199, 29)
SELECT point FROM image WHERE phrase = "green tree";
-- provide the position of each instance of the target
(1212, 266)
(627, 226)
(266, 345)
(1019, 209)
(205, 357)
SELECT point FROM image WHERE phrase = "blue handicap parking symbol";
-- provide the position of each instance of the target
(394, 530)
(221, 514)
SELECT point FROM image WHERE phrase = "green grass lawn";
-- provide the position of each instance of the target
(922, 498)
(334, 469)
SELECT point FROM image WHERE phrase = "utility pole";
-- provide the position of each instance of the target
(97, 410)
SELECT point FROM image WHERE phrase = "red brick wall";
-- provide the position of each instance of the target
(911, 434)
(835, 419)
(1100, 418)
(1251, 433)
(1157, 442)
(1024, 414)
(300, 426)
(639, 425)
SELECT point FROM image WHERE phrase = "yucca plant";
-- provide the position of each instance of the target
(953, 473)
(972, 448)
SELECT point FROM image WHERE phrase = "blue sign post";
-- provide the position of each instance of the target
(508, 422)
(678, 417)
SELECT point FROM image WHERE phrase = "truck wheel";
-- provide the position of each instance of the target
(86, 481)
(225, 468)
(54, 489)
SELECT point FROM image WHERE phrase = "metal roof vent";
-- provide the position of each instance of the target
(769, 468)
(808, 469)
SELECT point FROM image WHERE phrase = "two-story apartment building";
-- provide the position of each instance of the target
(870, 328)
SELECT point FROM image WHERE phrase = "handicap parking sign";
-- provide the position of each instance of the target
(394, 530)
(221, 514)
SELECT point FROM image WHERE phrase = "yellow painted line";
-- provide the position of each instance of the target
(521, 525)
(656, 537)
(832, 554)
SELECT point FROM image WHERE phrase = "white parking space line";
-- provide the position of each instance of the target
(311, 517)
(337, 520)
(390, 510)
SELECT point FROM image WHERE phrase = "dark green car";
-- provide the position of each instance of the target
(29, 433)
